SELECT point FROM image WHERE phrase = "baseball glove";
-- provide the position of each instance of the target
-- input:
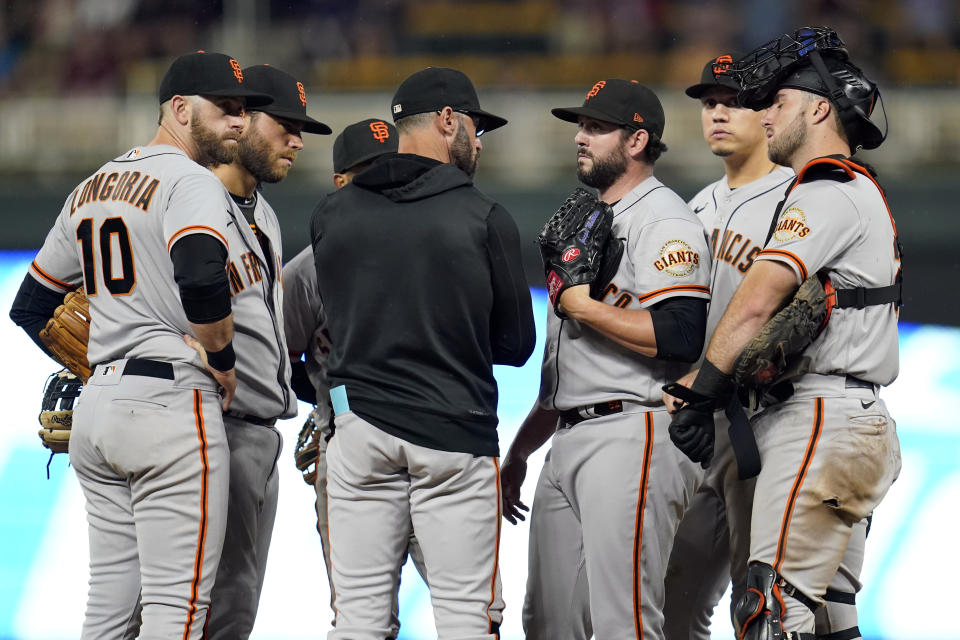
(307, 450)
(784, 337)
(56, 410)
(576, 246)
(68, 332)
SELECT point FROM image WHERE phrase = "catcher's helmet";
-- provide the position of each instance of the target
(813, 59)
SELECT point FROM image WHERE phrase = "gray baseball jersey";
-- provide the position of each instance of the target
(665, 256)
(736, 222)
(846, 230)
(263, 394)
(148, 441)
(263, 363)
(612, 488)
(305, 324)
(99, 242)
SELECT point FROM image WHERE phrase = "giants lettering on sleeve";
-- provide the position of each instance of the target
(131, 187)
(734, 249)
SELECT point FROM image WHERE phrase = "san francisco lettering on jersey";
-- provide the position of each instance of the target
(724, 248)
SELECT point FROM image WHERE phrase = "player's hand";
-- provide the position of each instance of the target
(512, 473)
(692, 431)
(226, 379)
(672, 402)
(572, 299)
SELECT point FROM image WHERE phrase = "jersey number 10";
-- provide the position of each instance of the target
(117, 286)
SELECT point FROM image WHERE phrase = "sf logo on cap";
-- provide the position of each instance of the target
(722, 65)
(237, 71)
(596, 89)
(302, 94)
(380, 131)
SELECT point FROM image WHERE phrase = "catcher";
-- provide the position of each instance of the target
(627, 276)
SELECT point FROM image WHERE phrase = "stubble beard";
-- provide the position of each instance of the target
(255, 156)
(462, 153)
(605, 171)
(212, 149)
(780, 151)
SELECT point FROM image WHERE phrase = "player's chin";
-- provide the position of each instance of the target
(722, 148)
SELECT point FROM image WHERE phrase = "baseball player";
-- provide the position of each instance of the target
(736, 212)
(436, 296)
(267, 150)
(149, 237)
(828, 446)
(355, 149)
(612, 488)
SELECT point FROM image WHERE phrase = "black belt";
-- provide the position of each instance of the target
(577, 415)
(246, 417)
(147, 368)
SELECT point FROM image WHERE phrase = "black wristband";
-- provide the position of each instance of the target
(222, 360)
(712, 382)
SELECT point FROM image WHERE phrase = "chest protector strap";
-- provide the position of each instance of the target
(844, 169)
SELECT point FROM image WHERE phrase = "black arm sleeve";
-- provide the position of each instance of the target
(300, 382)
(199, 268)
(512, 331)
(679, 325)
(33, 306)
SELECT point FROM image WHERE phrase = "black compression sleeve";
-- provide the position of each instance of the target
(33, 306)
(512, 331)
(199, 267)
(300, 382)
(679, 325)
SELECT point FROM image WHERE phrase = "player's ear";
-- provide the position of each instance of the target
(340, 180)
(181, 108)
(637, 142)
(447, 121)
(820, 109)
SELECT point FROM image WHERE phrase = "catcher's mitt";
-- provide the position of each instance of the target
(56, 410)
(768, 355)
(577, 247)
(68, 332)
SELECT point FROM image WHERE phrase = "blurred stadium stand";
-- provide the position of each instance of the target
(77, 83)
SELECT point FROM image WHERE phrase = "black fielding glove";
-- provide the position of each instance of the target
(692, 427)
(575, 247)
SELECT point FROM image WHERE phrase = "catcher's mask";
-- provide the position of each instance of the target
(813, 59)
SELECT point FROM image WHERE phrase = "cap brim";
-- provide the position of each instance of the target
(253, 99)
(363, 158)
(572, 114)
(488, 121)
(309, 124)
(698, 90)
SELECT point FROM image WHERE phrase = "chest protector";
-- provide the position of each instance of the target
(774, 353)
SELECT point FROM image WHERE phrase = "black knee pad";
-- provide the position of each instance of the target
(758, 615)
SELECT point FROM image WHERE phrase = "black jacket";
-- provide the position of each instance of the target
(423, 287)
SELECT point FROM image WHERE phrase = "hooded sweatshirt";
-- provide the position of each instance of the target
(421, 280)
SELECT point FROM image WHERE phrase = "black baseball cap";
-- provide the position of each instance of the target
(716, 73)
(289, 96)
(433, 89)
(209, 74)
(362, 141)
(623, 102)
